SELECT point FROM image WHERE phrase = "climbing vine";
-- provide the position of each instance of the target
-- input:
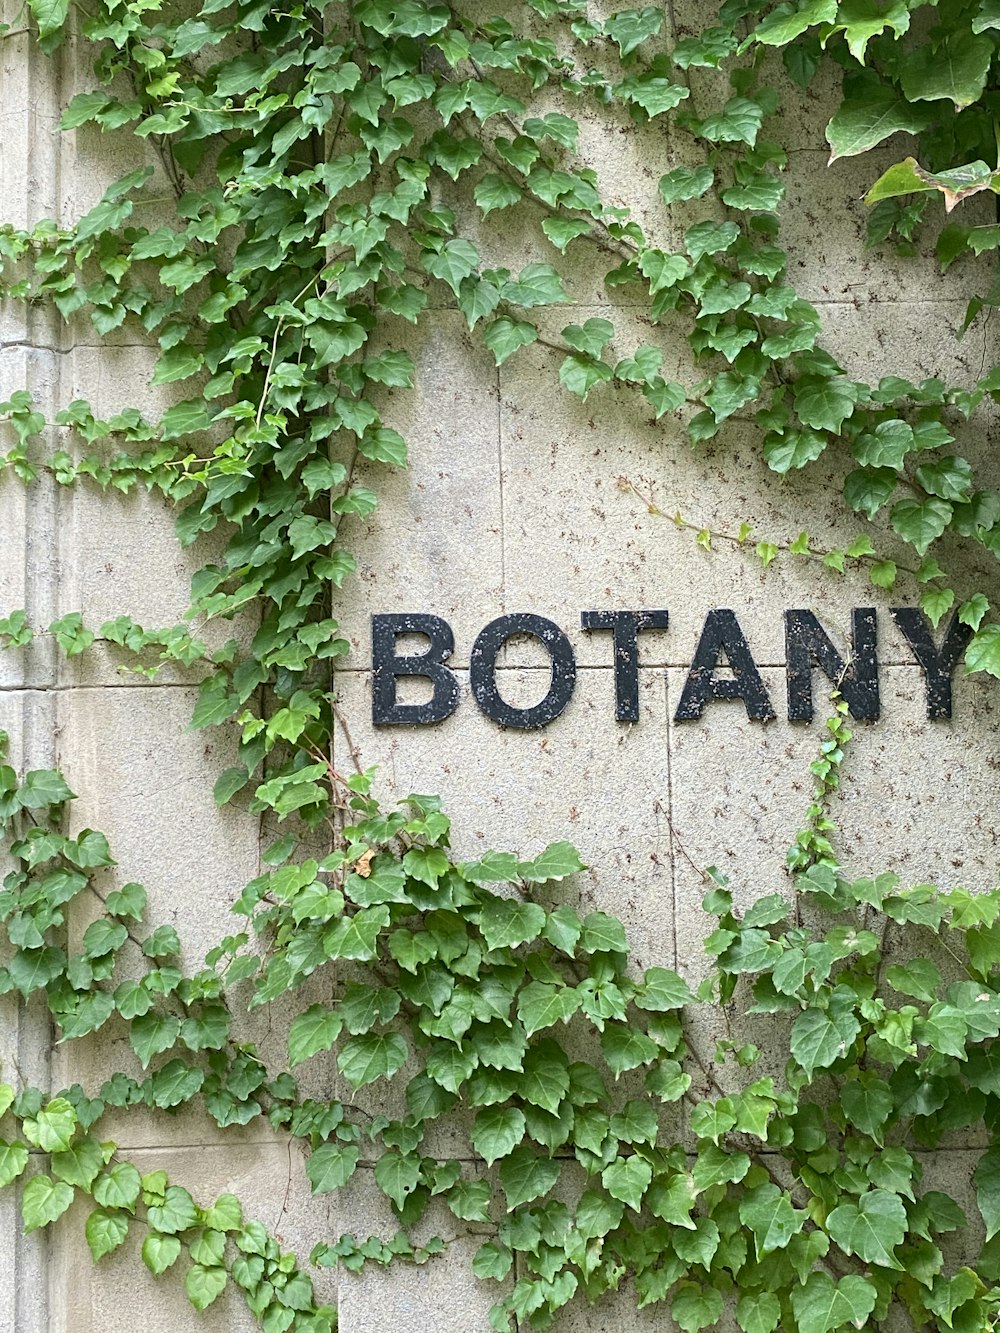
(320, 176)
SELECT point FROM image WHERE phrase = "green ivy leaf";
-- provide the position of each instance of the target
(204, 1285)
(953, 70)
(867, 489)
(580, 374)
(870, 1228)
(43, 787)
(825, 404)
(684, 183)
(44, 1200)
(542, 1004)
(160, 1252)
(695, 1307)
(83, 107)
(397, 1176)
(507, 923)
(921, 522)
(709, 238)
(558, 861)
(936, 603)
(13, 1160)
(455, 260)
(228, 783)
(983, 652)
(176, 1083)
(769, 1214)
(152, 1033)
(629, 28)
(871, 112)
(987, 1181)
(536, 284)
(626, 1048)
(861, 20)
(590, 339)
(793, 449)
(118, 1187)
(822, 1304)
(103, 937)
(663, 270)
(971, 612)
(105, 1232)
(627, 1179)
(505, 335)
(738, 122)
(882, 573)
(331, 1165)
(492, 1261)
(178, 363)
(758, 1312)
(394, 368)
(663, 990)
(495, 192)
(470, 1200)
(652, 92)
(524, 1176)
(315, 1030)
(668, 1081)
(562, 129)
(363, 1060)
(820, 1037)
(950, 478)
(868, 1103)
(50, 15)
(788, 21)
(52, 1128)
(79, 1164)
(176, 1213)
(497, 1131)
(561, 231)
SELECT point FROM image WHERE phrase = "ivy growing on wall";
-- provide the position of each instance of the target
(326, 169)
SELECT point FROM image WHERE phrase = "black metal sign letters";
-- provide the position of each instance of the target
(722, 668)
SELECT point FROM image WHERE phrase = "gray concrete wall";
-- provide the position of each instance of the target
(516, 500)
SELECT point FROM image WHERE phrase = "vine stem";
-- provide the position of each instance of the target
(675, 838)
(352, 749)
(742, 542)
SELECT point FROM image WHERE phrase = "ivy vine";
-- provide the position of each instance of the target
(327, 167)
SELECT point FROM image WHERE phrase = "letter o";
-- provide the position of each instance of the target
(483, 679)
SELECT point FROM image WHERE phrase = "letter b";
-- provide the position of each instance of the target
(388, 666)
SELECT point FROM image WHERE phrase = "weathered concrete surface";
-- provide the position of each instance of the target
(441, 1294)
(28, 185)
(435, 542)
(121, 1295)
(606, 790)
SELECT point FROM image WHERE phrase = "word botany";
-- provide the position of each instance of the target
(807, 646)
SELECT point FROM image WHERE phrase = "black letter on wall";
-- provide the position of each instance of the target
(387, 667)
(807, 645)
(627, 626)
(483, 677)
(938, 663)
(722, 634)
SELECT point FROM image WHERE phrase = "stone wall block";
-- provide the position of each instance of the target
(446, 558)
(441, 1294)
(579, 481)
(145, 780)
(824, 224)
(576, 780)
(269, 1181)
(916, 795)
